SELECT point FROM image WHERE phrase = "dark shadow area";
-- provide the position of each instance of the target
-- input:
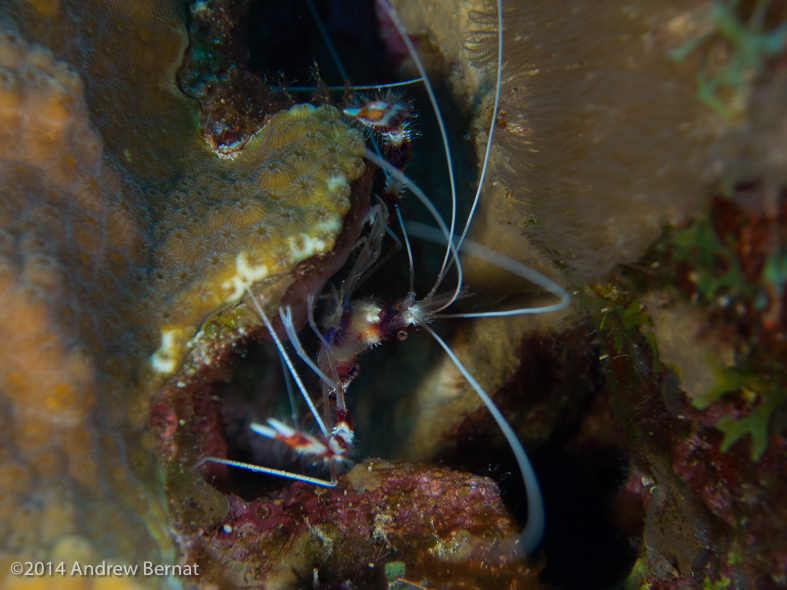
(284, 37)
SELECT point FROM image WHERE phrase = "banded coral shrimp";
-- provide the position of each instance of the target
(354, 325)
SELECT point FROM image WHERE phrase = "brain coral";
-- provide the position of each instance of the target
(120, 233)
(62, 225)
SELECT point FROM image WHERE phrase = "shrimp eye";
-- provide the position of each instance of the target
(402, 334)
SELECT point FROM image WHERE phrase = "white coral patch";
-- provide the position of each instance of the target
(164, 360)
(339, 186)
(247, 274)
(304, 246)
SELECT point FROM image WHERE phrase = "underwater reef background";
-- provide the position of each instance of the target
(154, 166)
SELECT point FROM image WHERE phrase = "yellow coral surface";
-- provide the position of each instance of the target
(280, 202)
(62, 463)
(120, 232)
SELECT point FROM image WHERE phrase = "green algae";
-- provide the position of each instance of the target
(715, 265)
(718, 276)
(617, 312)
(748, 43)
(767, 395)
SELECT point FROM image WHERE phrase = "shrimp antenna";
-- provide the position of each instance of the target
(338, 62)
(290, 392)
(534, 529)
(327, 38)
(316, 330)
(286, 319)
(443, 134)
(416, 190)
(409, 250)
(267, 470)
(503, 262)
(381, 86)
(496, 107)
(354, 87)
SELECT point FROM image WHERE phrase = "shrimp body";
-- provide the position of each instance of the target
(362, 324)
(367, 323)
(353, 326)
(387, 116)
